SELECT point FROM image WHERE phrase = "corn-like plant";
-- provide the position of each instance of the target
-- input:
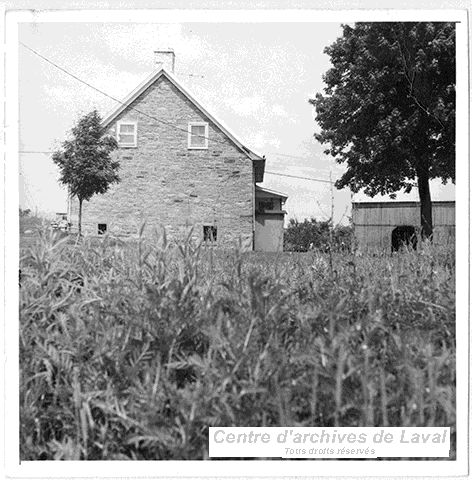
(132, 349)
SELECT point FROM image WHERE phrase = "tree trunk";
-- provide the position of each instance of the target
(425, 200)
(80, 216)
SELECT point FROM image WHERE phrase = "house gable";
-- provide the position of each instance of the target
(134, 98)
(162, 110)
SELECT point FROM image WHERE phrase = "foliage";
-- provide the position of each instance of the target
(131, 351)
(85, 164)
(343, 237)
(30, 223)
(388, 110)
(315, 234)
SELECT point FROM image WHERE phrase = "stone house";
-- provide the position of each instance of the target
(183, 170)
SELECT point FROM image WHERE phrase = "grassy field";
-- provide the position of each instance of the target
(131, 351)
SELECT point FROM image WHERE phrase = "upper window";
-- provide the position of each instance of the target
(127, 134)
(198, 135)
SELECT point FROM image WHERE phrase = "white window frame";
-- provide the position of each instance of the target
(189, 140)
(127, 145)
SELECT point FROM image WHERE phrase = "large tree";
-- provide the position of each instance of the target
(388, 109)
(85, 162)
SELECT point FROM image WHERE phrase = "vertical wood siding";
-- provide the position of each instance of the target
(374, 222)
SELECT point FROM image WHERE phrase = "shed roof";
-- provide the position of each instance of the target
(273, 193)
(394, 204)
(142, 87)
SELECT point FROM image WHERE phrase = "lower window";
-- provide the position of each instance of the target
(102, 228)
(210, 233)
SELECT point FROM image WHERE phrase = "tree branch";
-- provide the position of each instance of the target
(411, 84)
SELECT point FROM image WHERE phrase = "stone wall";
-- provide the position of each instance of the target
(165, 184)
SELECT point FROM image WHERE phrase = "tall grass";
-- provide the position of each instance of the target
(131, 351)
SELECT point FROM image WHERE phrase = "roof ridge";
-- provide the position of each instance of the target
(152, 78)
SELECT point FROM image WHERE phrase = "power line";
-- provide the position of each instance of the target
(35, 151)
(302, 178)
(269, 153)
(170, 124)
(287, 155)
(266, 171)
(151, 117)
(115, 99)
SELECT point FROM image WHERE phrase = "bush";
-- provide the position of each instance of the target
(31, 223)
(316, 235)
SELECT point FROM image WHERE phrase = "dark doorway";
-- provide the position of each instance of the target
(404, 236)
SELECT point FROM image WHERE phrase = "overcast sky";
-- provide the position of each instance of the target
(255, 77)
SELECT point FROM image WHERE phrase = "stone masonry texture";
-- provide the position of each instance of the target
(167, 185)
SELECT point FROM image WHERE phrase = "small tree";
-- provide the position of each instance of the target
(85, 162)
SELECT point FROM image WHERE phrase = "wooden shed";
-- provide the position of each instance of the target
(376, 223)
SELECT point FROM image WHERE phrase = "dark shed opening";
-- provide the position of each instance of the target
(404, 236)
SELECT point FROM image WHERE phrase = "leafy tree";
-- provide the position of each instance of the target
(342, 237)
(388, 110)
(85, 163)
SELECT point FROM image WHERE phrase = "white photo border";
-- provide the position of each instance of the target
(258, 468)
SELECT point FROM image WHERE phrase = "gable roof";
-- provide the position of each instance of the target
(164, 73)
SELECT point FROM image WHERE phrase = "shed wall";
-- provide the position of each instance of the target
(269, 235)
(373, 224)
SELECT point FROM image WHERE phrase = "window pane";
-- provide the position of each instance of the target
(198, 142)
(126, 139)
(198, 136)
(127, 128)
(198, 129)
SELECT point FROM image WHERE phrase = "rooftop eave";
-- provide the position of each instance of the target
(271, 212)
(259, 168)
(274, 193)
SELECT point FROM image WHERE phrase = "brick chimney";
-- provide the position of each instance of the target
(165, 59)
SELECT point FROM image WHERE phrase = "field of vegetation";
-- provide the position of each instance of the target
(131, 351)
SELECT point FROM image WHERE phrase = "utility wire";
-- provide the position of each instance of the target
(152, 117)
(287, 155)
(46, 152)
(115, 99)
(302, 178)
(266, 171)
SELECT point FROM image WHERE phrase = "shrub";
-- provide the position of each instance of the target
(316, 235)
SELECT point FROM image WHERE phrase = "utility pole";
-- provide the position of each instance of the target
(331, 223)
(332, 206)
